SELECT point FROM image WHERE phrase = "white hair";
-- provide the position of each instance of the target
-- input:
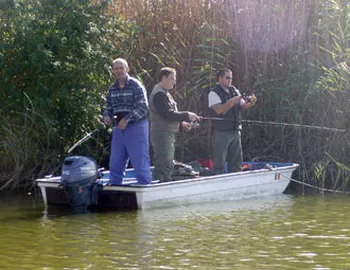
(120, 61)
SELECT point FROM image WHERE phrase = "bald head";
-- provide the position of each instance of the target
(121, 61)
(120, 69)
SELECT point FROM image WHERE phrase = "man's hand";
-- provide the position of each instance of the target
(253, 99)
(107, 120)
(186, 126)
(250, 103)
(122, 124)
(193, 117)
(235, 100)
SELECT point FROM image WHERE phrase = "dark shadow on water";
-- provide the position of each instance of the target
(59, 211)
(19, 207)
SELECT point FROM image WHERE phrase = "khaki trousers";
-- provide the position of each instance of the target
(163, 145)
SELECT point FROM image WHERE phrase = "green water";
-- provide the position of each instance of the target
(280, 232)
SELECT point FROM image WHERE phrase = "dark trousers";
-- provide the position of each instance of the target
(163, 145)
(227, 147)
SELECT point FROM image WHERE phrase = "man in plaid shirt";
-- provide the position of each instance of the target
(126, 103)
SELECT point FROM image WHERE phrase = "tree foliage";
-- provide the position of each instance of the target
(55, 58)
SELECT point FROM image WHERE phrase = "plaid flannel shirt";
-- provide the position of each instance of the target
(132, 99)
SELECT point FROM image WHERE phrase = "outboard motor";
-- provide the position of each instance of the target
(79, 175)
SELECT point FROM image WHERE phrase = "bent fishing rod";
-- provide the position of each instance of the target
(85, 138)
(89, 135)
(277, 124)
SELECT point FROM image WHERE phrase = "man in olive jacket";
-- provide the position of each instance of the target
(165, 122)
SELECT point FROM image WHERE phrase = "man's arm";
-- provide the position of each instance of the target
(222, 108)
(107, 109)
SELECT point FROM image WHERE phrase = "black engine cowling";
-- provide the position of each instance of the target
(79, 175)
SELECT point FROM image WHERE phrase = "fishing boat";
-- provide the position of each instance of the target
(259, 179)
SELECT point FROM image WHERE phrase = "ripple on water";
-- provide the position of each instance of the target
(271, 233)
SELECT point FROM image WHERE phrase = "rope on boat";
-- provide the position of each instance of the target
(315, 187)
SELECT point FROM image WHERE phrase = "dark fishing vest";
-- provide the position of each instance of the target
(232, 119)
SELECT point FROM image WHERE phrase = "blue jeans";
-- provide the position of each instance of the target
(131, 142)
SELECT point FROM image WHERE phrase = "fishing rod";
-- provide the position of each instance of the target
(277, 124)
(85, 138)
(89, 135)
(82, 140)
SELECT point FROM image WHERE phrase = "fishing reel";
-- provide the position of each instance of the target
(192, 125)
(247, 98)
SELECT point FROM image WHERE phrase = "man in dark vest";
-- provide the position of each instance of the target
(227, 103)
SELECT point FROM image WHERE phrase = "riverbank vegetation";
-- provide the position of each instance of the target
(294, 55)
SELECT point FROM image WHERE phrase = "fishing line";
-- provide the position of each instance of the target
(277, 124)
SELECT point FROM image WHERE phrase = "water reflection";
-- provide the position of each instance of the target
(278, 232)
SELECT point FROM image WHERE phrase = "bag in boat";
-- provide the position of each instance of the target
(181, 169)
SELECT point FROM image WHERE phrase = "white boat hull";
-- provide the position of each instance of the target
(261, 182)
(230, 186)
